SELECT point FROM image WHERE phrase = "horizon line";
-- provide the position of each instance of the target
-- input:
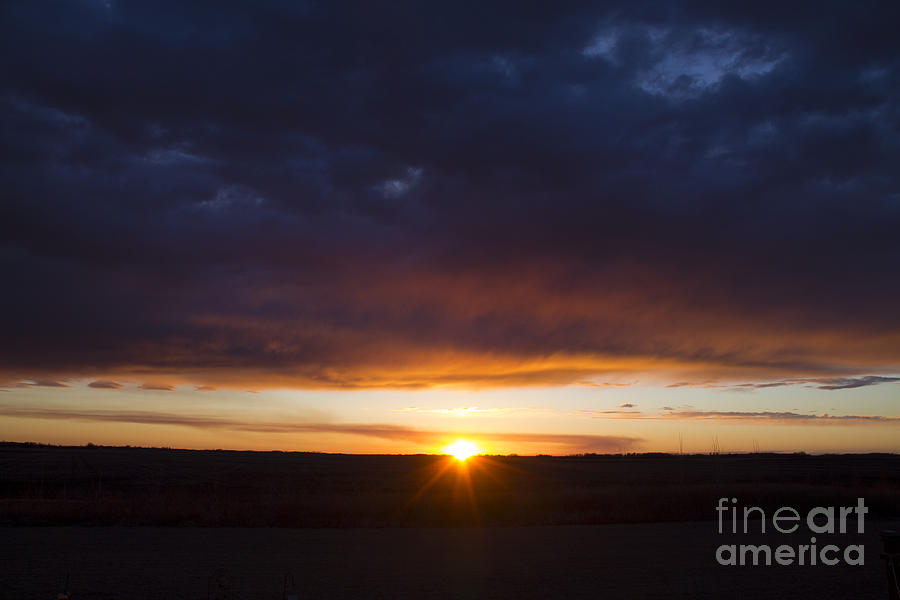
(91, 445)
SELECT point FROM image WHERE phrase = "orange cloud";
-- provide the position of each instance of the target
(160, 387)
(572, 442)
(545, 323)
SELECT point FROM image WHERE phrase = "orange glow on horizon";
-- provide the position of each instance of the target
(462, 449)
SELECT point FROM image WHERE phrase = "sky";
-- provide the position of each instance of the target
(357, 227)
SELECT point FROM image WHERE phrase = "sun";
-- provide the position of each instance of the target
(461, 449)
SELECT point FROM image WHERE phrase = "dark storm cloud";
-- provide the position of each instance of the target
(351, 195)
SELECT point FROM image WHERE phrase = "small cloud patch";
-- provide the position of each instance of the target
(50, 383)
(105, 384)
(396, 188)
(158, 387)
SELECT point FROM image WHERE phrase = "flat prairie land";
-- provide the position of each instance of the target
(161, 524)
(42, 485)
(654, 561)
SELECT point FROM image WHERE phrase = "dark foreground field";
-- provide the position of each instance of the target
(140, 486)
(653, 561)
(156, 523)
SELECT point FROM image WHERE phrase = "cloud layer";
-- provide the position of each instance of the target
(358, 195)
(556, 441)
(761, 416)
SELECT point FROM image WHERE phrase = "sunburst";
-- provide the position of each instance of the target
(462, 449)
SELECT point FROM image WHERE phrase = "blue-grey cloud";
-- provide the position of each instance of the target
(846, 383)
(781, 416)
(822, 383)
(761, 416)
(328, 194)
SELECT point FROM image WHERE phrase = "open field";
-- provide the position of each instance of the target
(137, 486)
(652, 561)
(170, 524)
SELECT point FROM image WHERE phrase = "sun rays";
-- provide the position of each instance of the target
(462, 449)
(457, 479)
